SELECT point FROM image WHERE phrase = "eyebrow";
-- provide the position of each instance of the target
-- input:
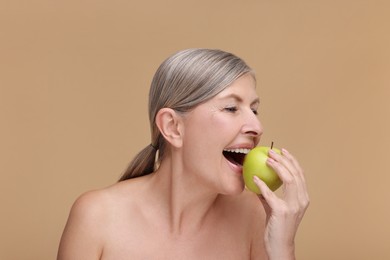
(239, 99)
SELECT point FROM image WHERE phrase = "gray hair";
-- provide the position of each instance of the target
(183, 81)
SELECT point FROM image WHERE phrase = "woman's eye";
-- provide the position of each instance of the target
(231, 109)
(255, 111)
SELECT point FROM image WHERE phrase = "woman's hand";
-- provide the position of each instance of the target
(283, 214)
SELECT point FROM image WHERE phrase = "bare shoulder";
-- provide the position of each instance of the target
(89, 203)
(97, 206)
(88, 222)
(81, 237)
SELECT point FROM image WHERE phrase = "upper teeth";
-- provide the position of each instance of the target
(244, 151)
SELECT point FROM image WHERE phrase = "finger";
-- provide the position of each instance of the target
(294, 162)
(303, 195)
(266, 207)
(300, 172)
(285, 161)
(289, 181)
(266, 194)
(292, 165)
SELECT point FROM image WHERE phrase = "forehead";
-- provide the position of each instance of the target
(242, 90)
(244, 87)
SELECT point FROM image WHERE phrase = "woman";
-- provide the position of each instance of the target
(183, 197)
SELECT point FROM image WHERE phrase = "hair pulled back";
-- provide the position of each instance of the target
(183, 81)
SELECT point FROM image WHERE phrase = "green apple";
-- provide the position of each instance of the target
(255, 164)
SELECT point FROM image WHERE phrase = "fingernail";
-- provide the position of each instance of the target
(255, 178)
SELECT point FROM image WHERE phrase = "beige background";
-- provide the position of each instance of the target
(74, 77)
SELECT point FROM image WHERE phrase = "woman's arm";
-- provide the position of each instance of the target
(283, 214)
(82, 237)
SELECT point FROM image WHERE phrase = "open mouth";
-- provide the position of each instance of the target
(235, 156)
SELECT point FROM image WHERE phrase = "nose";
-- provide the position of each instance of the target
(252, 125)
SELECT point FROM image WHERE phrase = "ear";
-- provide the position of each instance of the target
(170, 125)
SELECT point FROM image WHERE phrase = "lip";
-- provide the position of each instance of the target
(242, 146)
(236, 168)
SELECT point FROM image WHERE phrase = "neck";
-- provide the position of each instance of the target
(185, 202)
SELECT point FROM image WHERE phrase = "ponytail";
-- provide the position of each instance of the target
(142, 164)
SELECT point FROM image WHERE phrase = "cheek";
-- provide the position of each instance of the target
(215, 128)
(209, 129)
(200, 133)
(202, 136)
(223, 126)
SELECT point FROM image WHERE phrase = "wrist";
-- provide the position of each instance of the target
(282, 253)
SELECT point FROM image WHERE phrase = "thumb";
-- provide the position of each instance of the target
(262, 196)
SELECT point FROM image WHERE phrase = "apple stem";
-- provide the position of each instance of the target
(272, 145)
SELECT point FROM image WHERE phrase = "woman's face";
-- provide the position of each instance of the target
(219, 132)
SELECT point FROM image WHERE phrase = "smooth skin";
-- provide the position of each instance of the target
(194, 206)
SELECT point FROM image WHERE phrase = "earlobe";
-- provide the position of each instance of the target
(170, 125)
